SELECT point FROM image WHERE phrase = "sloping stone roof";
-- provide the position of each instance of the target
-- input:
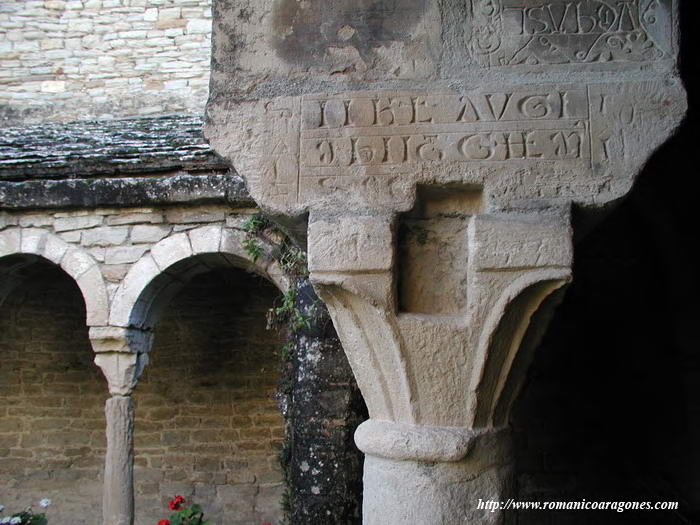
(123, 162)
(105, 147)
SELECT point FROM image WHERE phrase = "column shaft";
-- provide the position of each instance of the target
(118, 492)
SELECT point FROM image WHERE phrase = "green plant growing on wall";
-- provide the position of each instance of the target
(185, 513)
(265, 240)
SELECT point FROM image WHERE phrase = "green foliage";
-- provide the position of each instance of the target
(292, 260)
(287, 312)
(253, 249)
(186, 513)
(264, 239)
(257, 223)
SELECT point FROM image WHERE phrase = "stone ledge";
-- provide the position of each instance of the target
(180, 188)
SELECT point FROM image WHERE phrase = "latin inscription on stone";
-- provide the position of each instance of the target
(358, 139)
(514, 32)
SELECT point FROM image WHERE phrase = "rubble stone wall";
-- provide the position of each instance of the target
(83, 59)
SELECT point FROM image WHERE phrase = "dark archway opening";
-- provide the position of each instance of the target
(207, 422)
(611, 409)
(51, 394)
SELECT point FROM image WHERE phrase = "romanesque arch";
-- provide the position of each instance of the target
(137, 305)
(77, 263)
(161, 269)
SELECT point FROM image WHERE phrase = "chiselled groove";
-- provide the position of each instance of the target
(523, 309)
(370, 378)
(501, 336)
(516, 376)
(408, 129)
(387, 371)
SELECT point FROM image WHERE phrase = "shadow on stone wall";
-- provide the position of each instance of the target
(207, 423)
(51, 400)
(611, 410)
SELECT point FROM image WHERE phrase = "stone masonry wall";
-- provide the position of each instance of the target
(84, 59)
(117, 238)
(51, 402)
(207, 422)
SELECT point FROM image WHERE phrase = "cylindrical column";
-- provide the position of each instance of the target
(118, 492)
(425, 490)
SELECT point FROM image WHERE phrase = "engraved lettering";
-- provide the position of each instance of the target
(361, 112)
(557, 32)
(366, 142)
(334, 113)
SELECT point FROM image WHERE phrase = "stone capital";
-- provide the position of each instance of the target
(122, 354)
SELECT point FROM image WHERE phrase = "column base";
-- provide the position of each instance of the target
(400, 492)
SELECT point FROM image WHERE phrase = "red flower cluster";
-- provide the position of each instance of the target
(176, 503)
(163, 522)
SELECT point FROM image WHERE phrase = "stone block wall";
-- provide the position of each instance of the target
(117, 238)
(207, 422)
(51, 402)
(84, 59)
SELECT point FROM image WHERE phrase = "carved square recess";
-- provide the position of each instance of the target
(432, 250)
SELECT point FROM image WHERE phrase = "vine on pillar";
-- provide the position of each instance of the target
(318, 395)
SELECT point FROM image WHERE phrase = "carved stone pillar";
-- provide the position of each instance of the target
(437, 149)
(122, 355)
(433, 343)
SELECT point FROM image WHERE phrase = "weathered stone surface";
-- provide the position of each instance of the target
(127, 191)
(77, 223)
(371, 149)
(104, 147)
(517, 32)
(103, 59)
(104, 236)
(440, 144)
(118, 505)
(124, 254)
(322, 407)
(121, 369)
(149, 233)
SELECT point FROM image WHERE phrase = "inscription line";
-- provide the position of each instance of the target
(446, 128)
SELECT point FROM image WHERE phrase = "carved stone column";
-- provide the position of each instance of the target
(122, 355)
(433, 343)
(437, 149)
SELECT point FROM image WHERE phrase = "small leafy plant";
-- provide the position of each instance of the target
(185, 513)
(26, 516)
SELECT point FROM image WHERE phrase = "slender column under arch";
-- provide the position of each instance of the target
(118, 496)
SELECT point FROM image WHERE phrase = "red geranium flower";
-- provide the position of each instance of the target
(163, 522)
(176, 503)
